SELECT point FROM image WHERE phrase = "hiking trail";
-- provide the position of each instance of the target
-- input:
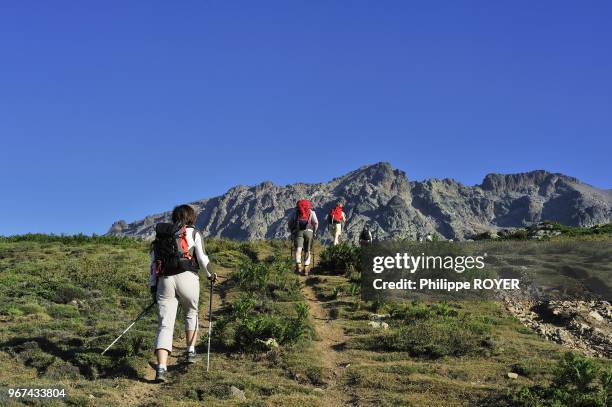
(331, 338)
(145, 389)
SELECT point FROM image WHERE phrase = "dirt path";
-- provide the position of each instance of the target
(331, 338)
(145, 390)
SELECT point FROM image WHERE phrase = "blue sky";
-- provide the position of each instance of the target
(115, 110)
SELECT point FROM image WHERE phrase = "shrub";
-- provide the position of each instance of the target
(527, 368)
(341, 258)
(32, 355)
(63, 311)
(577, 381)
(253, 276)
(228, 258)
(429, 330)
(351, 289)
(62, 370)
(246, 329)
(31, 308)
(214, 246)
(431, 338)
(268, 279)
(66, 293)
(14, 312)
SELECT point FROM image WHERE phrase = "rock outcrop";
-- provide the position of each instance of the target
(585, 326)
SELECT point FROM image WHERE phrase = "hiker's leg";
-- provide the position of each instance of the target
(190, 339)
(188, 290)
(162, 357)
(308, 234)
(337, 231)
(299, 244)
(166, 314)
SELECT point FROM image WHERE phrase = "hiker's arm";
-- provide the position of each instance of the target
(201, 254)
(291, 223)
(153, 278)
(314, 221)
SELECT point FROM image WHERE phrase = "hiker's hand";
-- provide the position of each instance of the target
(154, 293)
(212, 277)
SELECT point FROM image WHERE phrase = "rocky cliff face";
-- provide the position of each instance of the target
(395, 207)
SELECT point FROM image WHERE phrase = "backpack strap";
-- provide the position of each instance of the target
(193, 236)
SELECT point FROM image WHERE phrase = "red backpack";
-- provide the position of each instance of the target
(336, 214)
(303, 213)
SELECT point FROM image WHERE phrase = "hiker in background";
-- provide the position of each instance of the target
(176, 256)
(336, 220)
(365, 237)
(303, 225)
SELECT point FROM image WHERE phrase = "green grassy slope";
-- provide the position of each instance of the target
(64, 299)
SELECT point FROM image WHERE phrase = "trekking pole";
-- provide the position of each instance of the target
(314, 236)
(209, 325)
(144, 311)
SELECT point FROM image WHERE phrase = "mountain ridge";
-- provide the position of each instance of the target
(396, 207)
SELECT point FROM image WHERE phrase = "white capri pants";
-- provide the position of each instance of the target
(183, 287)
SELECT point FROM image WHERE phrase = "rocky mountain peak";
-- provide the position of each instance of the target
(523, 182)
(382, 197)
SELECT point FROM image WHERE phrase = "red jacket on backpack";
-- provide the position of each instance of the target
(335, 215)
(304, 217)
(303, 209)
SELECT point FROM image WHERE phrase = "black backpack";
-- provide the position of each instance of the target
(169, 257)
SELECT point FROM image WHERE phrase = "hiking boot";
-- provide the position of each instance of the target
(192, 357)
(298, 268)
(161, 376)
(306, 270)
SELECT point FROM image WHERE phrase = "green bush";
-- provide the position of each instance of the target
(245, 328)
(215, 246)
(66, 293)
(228, 258)
(32, 308)
(341, 258)
(429, 330)
(253, 276)
(580, 231)
(432, 338)
(63, 311)
(14, 312)
(577, 382)
(269, 279)
(62, 370)
(415, 310)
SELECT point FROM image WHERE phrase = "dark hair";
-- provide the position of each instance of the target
(184, 214)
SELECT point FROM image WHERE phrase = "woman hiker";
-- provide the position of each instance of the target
(303, 225)
(174, 277)
(336, 220)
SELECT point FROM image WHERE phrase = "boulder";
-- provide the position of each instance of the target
(378, 325)
(237, 394)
